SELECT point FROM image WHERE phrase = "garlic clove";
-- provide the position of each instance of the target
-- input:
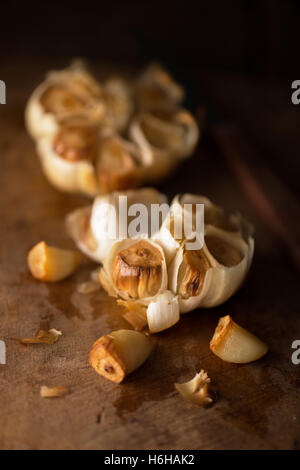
(156, 89)
(66, 175)
(197, 390)
(51, 264)
(68, 92)
(119, 353)
(89, 226)
(163, 312)
(145, 265)
(117, 165)
(232, 343)
(119, 103)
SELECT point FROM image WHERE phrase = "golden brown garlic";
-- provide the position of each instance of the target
(137, 270)
(51, 264)
(119, 353)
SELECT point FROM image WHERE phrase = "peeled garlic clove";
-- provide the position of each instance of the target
(72, 91)
(232, 343)
(157, 90)
(197, 389)
(95, 229)
(51, 264)
(163, 312)
(135, 270)
(119, 353)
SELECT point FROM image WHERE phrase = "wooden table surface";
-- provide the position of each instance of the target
(257, 405)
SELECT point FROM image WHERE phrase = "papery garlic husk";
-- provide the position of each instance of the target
(213, 215)
(232, 343)
(135, 269)
(163, 312)
(89, 226)
(68, 92)
(157, 90)
(164, 139)
(119, 353)
(197, 390)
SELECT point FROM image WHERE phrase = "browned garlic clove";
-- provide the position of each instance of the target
(232, 343)
(119, 353)
(137, 270)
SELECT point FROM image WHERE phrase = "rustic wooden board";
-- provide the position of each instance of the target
(258, 404)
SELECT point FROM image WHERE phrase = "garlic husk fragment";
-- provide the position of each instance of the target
(53, 392)
(232, 343)
(77, 93)
(164, 140)
(163, 312)
(135, 269)
(119, 353)
(197, 389)
(89, 226)
(51, 264)
(157, 90)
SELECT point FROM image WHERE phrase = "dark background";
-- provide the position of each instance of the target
(256, 37)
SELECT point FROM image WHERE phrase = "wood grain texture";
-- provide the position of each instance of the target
(258, 404)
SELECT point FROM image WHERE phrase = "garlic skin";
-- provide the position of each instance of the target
(196, 390)
(119, 353)
(163, 312)
(39, 122)
(232, 343)
(101, 215)
(164, 140)
(141, 282)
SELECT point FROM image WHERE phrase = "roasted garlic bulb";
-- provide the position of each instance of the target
(97, 138)
(95, 228)
(164, 276)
